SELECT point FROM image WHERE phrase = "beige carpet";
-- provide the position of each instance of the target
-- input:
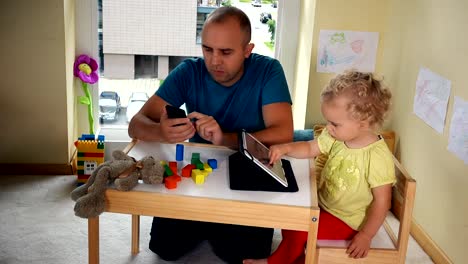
(38, 226)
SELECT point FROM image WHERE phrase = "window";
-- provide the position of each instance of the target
(138, 42)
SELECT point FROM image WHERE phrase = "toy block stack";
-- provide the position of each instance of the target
(90, 153)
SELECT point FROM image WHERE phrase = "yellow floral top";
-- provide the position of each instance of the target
(344, 188)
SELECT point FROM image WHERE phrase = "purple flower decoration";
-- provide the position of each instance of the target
(85, 68)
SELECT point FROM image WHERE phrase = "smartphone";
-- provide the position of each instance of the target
(174, 112)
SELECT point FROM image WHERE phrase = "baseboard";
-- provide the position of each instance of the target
(35, 169)
(428, 245)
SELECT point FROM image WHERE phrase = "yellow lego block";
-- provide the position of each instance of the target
(198, 176)
(99, 160)
(207, 168)
(162, 162)
(89, 146)
(205, 173)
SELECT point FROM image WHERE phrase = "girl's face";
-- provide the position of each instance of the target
(340, 125)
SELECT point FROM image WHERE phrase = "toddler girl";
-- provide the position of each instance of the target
(354, 188)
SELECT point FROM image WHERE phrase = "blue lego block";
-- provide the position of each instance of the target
(87, 137)
(213, 163)
(91, 137)
(179, 152)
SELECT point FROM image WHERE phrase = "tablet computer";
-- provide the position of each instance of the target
(258, 153)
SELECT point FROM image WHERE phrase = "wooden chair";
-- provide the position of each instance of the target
(402, 208)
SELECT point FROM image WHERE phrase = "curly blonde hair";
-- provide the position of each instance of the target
(369, 99)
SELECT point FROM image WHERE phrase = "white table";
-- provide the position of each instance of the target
(212, 201)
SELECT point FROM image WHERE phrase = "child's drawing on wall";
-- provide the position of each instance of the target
(341, 50)
(458, 138)
(431, 98)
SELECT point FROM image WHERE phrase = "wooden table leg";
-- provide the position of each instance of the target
(311, 248)
(93, 240)
(135, 234)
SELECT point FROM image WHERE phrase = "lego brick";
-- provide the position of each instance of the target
(173, 165)
(194, 161)
(83, 177)
(207, 167)
(170, 182)
(213, 163)
(98, 160)
(199, 165)
(198, 176)
(89, 146)
(167, 170)
(187, 170)
(179, 152)
(91, 137)
(90, 155)
(87, 137)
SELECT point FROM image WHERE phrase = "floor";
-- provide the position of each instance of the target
(37, 225)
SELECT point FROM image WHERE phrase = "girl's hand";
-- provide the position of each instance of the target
(359, 246)
(277, 151)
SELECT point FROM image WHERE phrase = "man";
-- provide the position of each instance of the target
(230, 89)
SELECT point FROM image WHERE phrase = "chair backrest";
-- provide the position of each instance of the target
(404, 192)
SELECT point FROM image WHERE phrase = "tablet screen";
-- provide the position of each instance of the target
(258, 152)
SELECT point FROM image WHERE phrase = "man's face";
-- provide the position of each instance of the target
(225, 49)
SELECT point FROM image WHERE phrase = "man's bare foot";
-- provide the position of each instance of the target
(255, 261)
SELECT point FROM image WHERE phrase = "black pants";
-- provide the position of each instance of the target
(173, 238)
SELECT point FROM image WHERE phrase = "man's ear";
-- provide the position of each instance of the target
(248, 49)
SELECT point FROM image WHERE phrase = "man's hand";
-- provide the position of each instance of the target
(359, 246)
(207, 128)
(176, 129)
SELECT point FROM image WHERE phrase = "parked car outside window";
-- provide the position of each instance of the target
(109, 106)
(257, 3)
(135, 103)
(274, 4)
(264, 17)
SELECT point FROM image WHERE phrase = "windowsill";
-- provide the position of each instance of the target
(115, 133)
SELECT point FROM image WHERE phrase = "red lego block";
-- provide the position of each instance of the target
(187, 170)
(173, 166)
(171, 181)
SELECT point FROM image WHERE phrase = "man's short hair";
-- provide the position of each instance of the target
(222, 14)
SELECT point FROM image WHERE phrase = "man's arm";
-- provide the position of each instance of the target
(152, 124)
(278, 124)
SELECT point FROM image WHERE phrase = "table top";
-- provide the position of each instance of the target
(217, 183)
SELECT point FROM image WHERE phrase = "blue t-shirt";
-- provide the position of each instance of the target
(236, 107)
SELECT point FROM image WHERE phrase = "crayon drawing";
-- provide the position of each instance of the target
(431, 98)
(458, 137)
(341, 50)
